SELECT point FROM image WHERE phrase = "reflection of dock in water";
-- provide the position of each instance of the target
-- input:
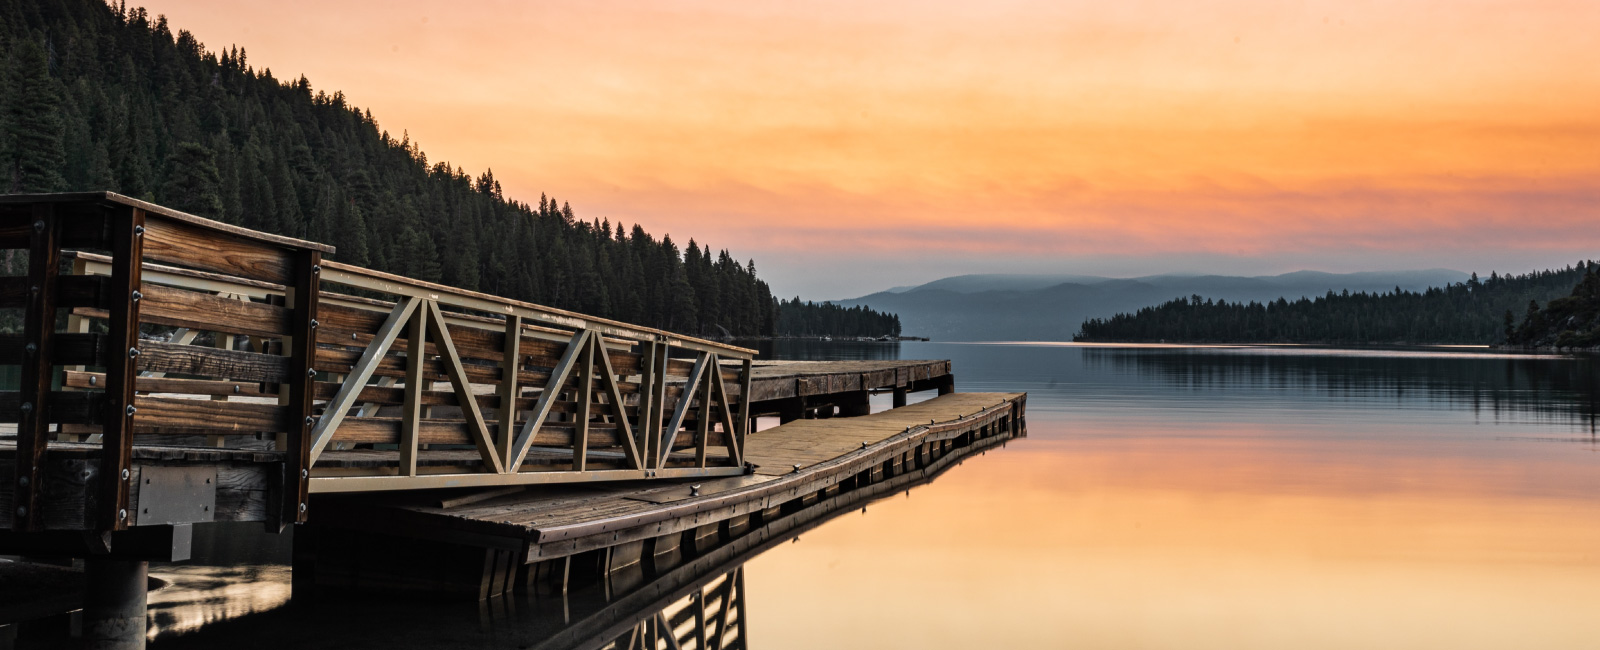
(683, 593)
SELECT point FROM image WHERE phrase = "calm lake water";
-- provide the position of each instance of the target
(1166, 497)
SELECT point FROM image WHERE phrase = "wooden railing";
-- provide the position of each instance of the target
(184, 331)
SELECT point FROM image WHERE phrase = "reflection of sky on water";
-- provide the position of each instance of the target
(1165, 498)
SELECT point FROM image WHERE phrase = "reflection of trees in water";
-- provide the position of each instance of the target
(813, 350)
(1561, 389)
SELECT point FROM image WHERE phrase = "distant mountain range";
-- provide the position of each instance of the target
(1002, 307)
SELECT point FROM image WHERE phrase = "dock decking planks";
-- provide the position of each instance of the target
(542, 515)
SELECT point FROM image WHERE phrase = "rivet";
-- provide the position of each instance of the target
(138, 230)
(132, 409)
(236, 388)
(93, 380)
(352, 336)
(137, 295)
(133, 352)
(38, 226)
(31, 348)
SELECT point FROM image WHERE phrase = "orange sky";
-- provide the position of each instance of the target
(850, 146)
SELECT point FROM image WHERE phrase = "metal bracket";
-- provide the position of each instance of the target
(176, 495)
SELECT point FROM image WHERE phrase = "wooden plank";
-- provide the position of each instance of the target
(214, 387)
(209, 249)
(63, 407)
(203, 311)
(609, 381)
(157, 356)
(128, 235)
(433, 431)
(71, 291)
(38, 333)
(209, 415)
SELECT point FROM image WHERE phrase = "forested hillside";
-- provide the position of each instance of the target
(1471, 312)
(1572, 321)
(98, 97)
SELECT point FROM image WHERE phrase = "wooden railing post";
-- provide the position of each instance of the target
(122, 351)
(39, 324)
(301, 347)
(743, 423)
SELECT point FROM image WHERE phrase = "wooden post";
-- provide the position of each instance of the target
(122, 348)
(509, 390)
(899, 396)
(585, 395)
(411, 409)
(745, 422)
(702, 434)
(39, 325)
(647, 406)
(301, 347)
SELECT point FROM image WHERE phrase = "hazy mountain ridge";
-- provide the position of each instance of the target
(1038, 307)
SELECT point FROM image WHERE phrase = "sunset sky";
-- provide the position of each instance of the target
(853, 146)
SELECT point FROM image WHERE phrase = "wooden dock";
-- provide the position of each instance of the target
(176, 371)
(489, 542)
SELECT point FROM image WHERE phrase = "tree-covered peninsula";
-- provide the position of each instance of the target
(1477, 311)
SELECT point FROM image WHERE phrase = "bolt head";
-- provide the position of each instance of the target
(22, 481)
(124, 475)
(316, 268)
(138, 230)
(22, 511)
(132, 409)
(302, 507)
(31, 348)
(305, 473)
(310, 420)
(38, 226)
(133, 352)
(314, 323)
(122, 514)
(137, 295)
(27, 407)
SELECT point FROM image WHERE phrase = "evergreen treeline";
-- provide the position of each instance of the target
(99, 97)
(1572, 321)
(1471, 312)
(797, 318)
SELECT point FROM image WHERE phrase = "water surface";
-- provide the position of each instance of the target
(1166, 497)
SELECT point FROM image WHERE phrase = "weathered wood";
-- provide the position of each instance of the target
(156, 356)
(510, 388)
(61, 407)
(38, 331)
(558, 378)
(463, 388)
(203, 311)
(128, 239)
(172, 415)
(358, 373)
(411, 410)
(431, 431)
(215, 387)
(301, 348)
(580, 439)
(207, 249)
